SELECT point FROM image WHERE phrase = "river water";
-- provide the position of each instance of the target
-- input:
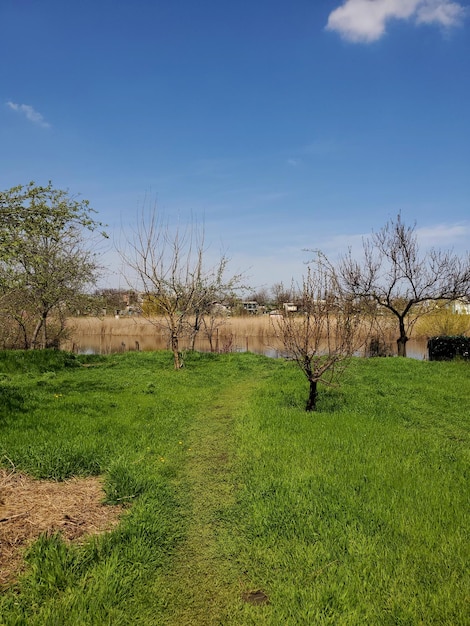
(107, 344)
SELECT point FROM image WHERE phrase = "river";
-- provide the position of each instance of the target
(82, 343)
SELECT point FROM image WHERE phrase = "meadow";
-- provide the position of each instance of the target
(239, 507)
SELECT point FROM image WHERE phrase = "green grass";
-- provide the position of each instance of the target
(356, 514)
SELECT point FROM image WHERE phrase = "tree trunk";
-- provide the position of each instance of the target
(402, 339)
(24, 332)
(175, 350)
(312, 398)
(34, 338)
(195, 330)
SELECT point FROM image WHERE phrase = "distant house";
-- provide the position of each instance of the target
(250, 306)
(217, 308)
(461, 307)
(290, 307)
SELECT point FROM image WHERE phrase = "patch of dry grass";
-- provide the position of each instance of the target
(29, 508)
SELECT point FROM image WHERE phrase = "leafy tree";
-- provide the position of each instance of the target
(169, 266)
(45, 259)
(399, 278)
(324, 334)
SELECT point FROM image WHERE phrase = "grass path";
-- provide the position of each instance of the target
(204, 584)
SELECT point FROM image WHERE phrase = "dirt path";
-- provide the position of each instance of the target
(205, 581)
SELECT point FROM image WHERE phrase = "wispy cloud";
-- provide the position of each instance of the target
(293, 162)
(443, 234)
(365, 21)
(339, 245)
(30, 114)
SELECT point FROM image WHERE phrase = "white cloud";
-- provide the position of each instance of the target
(365, 20)
(444, 13)
(443, 235)
(30, 114)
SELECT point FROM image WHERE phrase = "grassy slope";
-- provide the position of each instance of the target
(359, 515)
(354, 515)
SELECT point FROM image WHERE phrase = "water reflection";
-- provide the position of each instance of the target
(109, 344)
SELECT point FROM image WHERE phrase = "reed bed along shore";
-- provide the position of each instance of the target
(252, 326)
(112, 334)
(262, 326)
(253, 333)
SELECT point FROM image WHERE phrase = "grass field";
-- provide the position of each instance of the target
(243, 509)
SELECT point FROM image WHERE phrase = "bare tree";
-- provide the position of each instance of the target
(261, 296)
(396, 276)
(281, 294)
(212, 322)
(169, 266)
(323, 336)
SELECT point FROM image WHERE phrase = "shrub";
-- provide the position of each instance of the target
(448, 348)
(378, 347)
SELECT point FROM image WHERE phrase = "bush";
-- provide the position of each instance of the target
(448, 348)
(378, 347)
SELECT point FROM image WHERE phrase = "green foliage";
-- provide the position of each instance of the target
(59, 460)
(45, 262)
(51, 564)
(31, 208)
(355, 515)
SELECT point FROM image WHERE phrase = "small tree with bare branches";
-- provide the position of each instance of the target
(397, 277)
(169, 267)
(324, 334)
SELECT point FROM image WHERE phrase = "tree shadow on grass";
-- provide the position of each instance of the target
(329, 400)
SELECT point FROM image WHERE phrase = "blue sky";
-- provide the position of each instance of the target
(281, 125)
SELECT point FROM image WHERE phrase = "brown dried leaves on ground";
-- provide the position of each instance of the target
(30, 507)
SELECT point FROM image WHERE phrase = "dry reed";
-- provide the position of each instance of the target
(254, 326)
(261, 326)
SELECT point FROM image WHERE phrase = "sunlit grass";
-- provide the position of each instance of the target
(357, 514)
